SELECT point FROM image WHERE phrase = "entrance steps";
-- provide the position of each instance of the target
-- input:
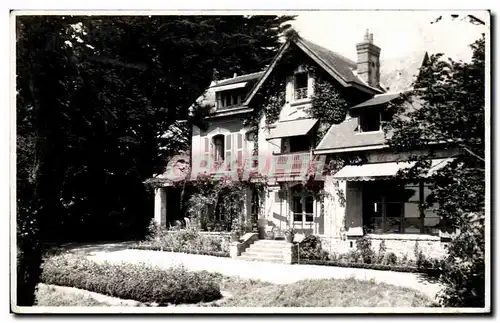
(265, 250)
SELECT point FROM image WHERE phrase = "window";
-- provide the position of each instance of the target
(228, 99)
(394, 207)
(299, 143)
(369, 120)
(218, 142)
(302, 205)
(300, 85)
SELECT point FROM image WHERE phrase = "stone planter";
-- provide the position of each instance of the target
(289, 237)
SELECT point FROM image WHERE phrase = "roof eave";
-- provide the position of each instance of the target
(266, 74)
(324, 151)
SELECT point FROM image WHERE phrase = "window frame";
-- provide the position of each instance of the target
(299, 192)
(383, 202)
(295, 88)
(219, 157)
(363, 115)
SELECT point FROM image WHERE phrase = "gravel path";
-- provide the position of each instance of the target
(271, 272)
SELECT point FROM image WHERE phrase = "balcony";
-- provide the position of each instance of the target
(300, 94)
(294, 166)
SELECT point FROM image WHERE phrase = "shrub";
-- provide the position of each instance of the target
(463, 270)
(364, 246)
(132, 281)
(390, 259)
(310, 248)
(382, 249)
(186, 240)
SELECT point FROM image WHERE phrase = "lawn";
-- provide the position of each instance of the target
(50, 296)
(252, 293)
(320, 293)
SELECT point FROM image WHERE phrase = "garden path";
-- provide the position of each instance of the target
(271, 272)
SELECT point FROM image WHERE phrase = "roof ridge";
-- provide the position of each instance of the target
(348, 60)
(230, 78)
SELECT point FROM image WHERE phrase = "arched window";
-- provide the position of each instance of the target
(218, 142)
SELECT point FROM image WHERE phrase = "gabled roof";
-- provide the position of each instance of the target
(340, 68)
(341, 65)
(239, 79)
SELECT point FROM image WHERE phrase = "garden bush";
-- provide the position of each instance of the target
(463, 270)
(310, 248)
(364, 257)
(132, 281)
(185, 240)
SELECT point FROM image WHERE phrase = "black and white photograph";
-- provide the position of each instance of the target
(293, 161)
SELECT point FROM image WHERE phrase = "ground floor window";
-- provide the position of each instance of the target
(394, 207)
(302, 204)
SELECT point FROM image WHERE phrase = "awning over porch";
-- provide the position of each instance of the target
(370, 172)
(292, 128)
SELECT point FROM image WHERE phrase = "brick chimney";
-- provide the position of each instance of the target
(368, 68)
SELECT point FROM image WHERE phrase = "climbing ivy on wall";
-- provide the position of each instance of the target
(328, 105)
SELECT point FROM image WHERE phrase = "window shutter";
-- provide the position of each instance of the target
(206, 150)
(228, 148)
(239, 148)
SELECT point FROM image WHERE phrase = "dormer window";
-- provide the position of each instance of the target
(371, 119)
(300, 85)
(228, 99)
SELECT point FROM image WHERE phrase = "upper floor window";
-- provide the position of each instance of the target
(300, 85)
(371, 119)
(227, 99)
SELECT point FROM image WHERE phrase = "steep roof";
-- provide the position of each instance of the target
(342, 65)
(239, 79)
(344, 136)
(378, 100)
(338, 66)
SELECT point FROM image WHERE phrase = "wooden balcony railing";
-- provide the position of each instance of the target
(291, 165)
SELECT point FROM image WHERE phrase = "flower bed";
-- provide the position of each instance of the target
(410, 269)
(311, 252)
(159, 247)
(139, 282)
(187, 241)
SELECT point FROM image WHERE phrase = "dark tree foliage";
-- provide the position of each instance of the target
(95, 97)
(447, 108)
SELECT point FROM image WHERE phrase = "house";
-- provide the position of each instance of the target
(354, 201)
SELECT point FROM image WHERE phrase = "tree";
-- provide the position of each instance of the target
(447, 110)
(95, 96)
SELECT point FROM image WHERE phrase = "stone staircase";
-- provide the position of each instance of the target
(265, 250)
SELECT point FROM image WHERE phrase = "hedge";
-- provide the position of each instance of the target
(160, 247)
(410, 269)
(139, 282)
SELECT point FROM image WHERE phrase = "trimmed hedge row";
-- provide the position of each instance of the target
(430, 271)
(132, 281)
(159, 247)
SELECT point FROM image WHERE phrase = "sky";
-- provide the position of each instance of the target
(395, 32)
